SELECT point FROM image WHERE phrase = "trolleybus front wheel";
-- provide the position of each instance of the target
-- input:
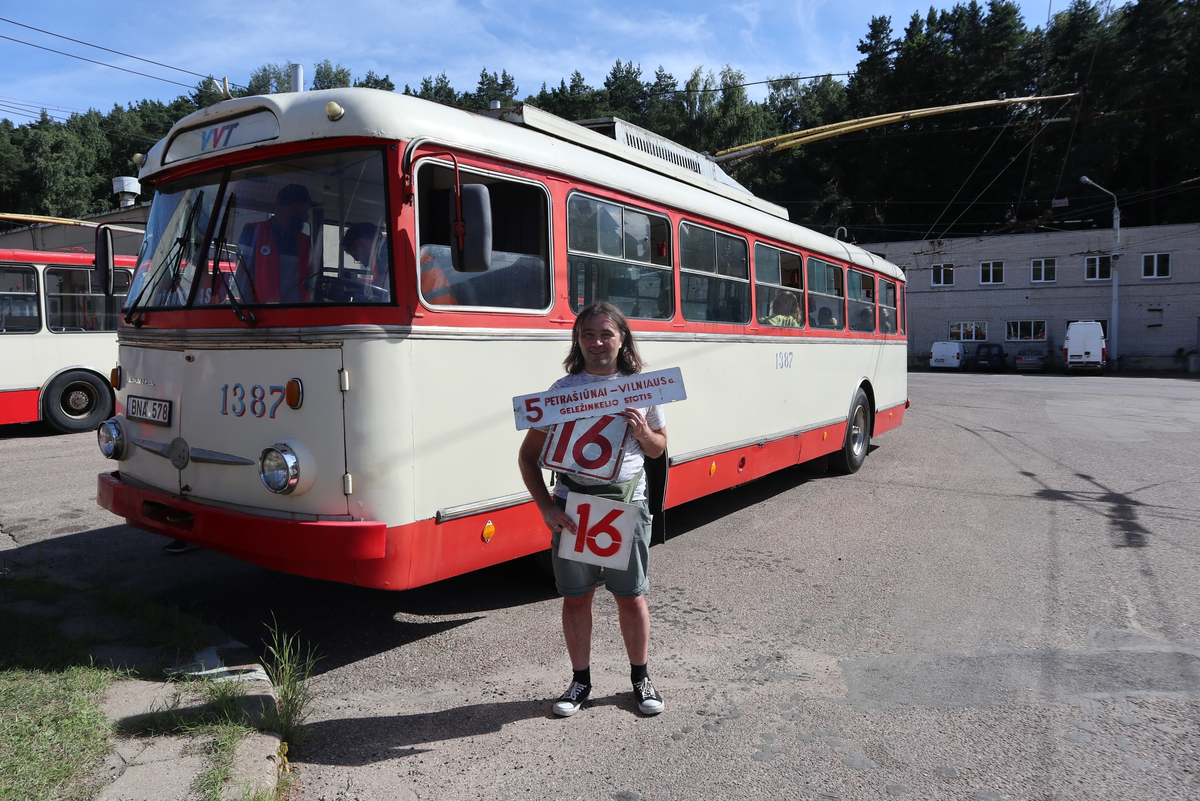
(76, 401)
(858, 436)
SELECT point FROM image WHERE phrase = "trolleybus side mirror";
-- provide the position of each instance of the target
(472, 251)
(104, 260)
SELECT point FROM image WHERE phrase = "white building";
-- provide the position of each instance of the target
(1023, 289)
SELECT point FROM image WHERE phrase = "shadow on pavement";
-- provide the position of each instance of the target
(363, 741)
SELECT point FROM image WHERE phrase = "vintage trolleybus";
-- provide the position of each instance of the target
(58, 338)
(340, 293)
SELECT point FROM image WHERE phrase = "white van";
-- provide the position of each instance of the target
(1084, 347)
(948, 354)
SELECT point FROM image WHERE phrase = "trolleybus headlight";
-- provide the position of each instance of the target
(110, 436)
(287, 468)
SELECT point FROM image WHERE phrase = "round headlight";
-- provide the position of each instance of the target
(110, 437)
(280, 468)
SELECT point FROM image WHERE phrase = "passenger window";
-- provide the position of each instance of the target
(887, 307)
(780, 289)
(75, 301)
(18, 300)
(620, 255)
(519, 275)
(826, 295)
(862, 302)
(714, 275)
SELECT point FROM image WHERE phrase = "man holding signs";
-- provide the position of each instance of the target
(602, 350)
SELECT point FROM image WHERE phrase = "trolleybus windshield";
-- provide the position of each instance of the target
(309, 230)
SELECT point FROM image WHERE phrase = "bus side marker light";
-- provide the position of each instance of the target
(489, 531)
(114, 377)
(293, 393)
(712, 470)
(824, 435)
(742, 464)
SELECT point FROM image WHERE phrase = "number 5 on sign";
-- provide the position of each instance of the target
(604, 531)
(594, 447)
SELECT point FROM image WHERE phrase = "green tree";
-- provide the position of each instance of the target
(270, 79)
(437, 89)
(328, 76)
(373, 81)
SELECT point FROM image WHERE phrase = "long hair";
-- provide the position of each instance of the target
(628, 358)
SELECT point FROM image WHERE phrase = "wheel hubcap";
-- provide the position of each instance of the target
(78, 400)
(858, 432)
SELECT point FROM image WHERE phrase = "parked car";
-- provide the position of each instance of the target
(1084, 346)
(989, 357)
(1031, 359)
(952, 355)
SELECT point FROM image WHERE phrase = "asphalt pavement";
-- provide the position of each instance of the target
(1002, 604)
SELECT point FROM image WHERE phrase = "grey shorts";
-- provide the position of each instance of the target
(576, 579)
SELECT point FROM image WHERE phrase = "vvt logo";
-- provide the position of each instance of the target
(214, 138)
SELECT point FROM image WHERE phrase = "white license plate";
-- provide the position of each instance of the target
(148, 410)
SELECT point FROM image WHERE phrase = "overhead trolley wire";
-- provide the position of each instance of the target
(106, 49)
(101, 63)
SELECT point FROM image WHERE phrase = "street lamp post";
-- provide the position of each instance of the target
(1116, 254)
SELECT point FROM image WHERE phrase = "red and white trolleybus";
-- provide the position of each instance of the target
(316, 371)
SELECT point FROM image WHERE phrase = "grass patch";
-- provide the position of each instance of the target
(289, 667)
(52, 729)
(32, 589)
(160, 626)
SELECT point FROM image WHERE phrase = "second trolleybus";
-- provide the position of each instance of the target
(317, 361)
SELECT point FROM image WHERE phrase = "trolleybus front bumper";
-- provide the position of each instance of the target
(247, 536)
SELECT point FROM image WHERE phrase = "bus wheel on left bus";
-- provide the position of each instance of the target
(858, 436)
(77, 401)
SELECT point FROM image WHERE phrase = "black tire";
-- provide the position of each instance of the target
(858, 437)
(77, 401)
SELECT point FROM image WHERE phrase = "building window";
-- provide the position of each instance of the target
(1156, 265)
(1043, 271)
(943, 274)
(991, 272)
(1025, 331)
(1097, 268)
(966, 332)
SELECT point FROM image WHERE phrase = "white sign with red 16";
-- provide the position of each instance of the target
(593, 447)
(604, 531)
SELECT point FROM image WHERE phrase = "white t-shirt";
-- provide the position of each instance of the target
(634, 458)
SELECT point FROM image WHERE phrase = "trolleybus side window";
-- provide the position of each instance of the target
(779, 287)
(887, 307)
(714, 275)
(76, 302)
(621, 255)
(519, 274)
(19, 312)
(826, 295)
(862, 302)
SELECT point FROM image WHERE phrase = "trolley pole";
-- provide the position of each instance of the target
(1116, 254)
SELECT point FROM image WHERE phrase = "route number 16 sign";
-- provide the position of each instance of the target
(604, 531)
(593, 447)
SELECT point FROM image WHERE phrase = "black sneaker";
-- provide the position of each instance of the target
(574, 698)
(649, 701)
(179, 546)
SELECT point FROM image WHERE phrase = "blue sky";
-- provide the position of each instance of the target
(536, 41)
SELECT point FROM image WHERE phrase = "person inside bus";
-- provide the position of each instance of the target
(785, 312)
(887, 325)
(363, 243)
(435, 265)
(602, 349)
(275, 254)
(825, 318)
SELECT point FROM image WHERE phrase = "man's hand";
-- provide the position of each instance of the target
(653, 442)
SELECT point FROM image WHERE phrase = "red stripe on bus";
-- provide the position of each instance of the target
(887, 419)
(18, 406)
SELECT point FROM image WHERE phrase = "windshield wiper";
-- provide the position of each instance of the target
(174, 254)
(218, 249)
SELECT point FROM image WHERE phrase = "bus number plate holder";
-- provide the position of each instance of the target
(148, 410)
(594, 447)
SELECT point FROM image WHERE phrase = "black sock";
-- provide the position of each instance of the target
(638, 672)
(584, 676)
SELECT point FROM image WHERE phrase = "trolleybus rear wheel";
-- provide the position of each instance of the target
(76, 401)
(858, 436)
